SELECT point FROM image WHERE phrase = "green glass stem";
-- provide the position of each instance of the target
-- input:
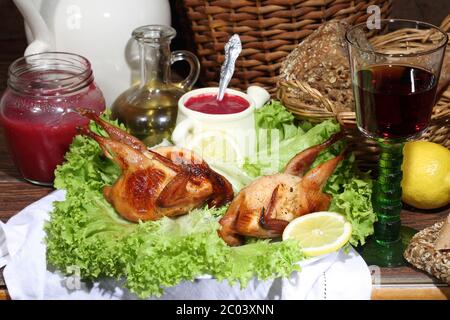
(388, 193)
(385, 248)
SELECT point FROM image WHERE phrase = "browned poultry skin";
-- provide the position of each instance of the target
(165, 181)
(268, 204)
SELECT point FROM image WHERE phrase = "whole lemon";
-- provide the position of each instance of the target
(426, 175)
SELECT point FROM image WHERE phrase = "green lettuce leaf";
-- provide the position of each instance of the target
(352, 197)
(186, 247)
(275, 116)
(280, 137)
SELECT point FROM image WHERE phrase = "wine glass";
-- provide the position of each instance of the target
(395, 90)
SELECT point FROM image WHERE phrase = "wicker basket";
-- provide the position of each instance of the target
(366, 150)
(269, 30)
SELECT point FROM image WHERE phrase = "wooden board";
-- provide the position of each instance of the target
(4, 294)
(410, 292)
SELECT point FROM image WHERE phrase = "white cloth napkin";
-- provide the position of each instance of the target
(27, 276)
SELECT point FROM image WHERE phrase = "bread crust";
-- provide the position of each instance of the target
(321, 61)
(422, 253)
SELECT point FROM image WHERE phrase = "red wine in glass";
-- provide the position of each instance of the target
(394, 86)
(394, 101)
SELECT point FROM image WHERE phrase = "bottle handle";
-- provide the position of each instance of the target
(194, 64)
(42, 38)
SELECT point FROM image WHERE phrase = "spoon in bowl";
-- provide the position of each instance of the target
(232, 50)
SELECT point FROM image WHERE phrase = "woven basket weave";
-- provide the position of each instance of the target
(269, 31)
(366, 150)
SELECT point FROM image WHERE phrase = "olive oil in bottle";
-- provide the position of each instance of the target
(149, 109)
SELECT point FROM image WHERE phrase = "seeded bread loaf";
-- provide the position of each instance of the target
(423, 254)
(321, 61)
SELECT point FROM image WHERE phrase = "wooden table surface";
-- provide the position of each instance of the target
(393, 283)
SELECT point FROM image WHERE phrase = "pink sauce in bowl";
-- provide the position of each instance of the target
(208, 103)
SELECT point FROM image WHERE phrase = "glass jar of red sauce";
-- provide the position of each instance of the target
(37, 110)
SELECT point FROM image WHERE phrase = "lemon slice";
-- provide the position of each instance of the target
(319, 233)
(216, 146)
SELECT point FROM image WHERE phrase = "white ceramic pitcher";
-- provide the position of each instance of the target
(99, 30)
